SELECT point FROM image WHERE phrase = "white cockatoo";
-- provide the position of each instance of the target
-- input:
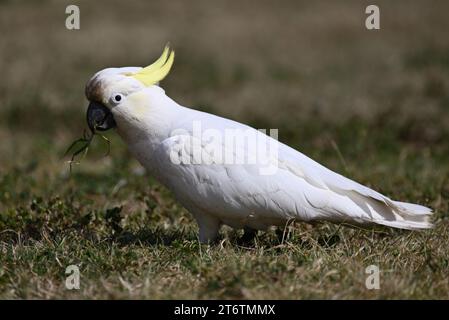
(200, 157)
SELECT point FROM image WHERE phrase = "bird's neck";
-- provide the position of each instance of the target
(150, 123)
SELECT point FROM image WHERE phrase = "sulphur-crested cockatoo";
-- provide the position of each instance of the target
(225, 172)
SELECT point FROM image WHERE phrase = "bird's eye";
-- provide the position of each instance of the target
(117, 97)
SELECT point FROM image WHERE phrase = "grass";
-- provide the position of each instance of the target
(381, 121)
(132, 240)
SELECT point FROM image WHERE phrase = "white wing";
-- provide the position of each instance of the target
(301, 188)
(375, 206)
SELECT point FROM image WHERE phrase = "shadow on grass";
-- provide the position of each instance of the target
(152, 237)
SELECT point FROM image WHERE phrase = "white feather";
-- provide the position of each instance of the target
(237, 194)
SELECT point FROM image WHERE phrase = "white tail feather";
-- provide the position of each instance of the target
(390, 213)
(408, 225)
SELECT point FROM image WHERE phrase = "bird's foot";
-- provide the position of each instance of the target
(208, 229)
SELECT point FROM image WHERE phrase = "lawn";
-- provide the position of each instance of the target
(372, 105)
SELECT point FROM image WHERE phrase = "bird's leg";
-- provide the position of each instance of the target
(248, 235)
(209, 227)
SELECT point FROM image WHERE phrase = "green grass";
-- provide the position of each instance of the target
(132, 240)
(374, 107)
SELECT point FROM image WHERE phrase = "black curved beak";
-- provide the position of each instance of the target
(99, 117)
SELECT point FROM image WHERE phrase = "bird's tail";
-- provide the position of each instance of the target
(384, 211)
(408, 216)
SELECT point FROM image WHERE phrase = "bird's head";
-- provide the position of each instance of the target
(109, 89)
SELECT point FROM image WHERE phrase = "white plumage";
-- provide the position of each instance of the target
(155, 128)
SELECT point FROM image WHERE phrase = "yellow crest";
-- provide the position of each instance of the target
(158, 70)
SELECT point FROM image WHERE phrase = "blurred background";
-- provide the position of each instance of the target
(249, 60)
(373, 105)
